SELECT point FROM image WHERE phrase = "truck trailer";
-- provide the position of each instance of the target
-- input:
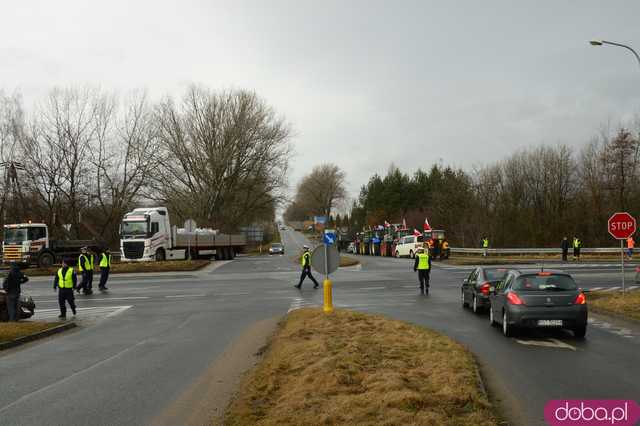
(146, 234)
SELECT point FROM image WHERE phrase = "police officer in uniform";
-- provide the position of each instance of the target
(306, 268)
(85, 266)
(105, 266)
(65, 282)
(423, 266)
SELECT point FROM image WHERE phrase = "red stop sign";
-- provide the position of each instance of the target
(621, 225)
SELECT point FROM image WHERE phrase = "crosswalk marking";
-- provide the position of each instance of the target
(299, 303)
(547, 343)
(92, 313)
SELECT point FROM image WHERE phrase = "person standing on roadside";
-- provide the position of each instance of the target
(65, 282)
(306, 268)
(105, 266)
(564, 245)
(11, 285)
(422, 265)
(577, 244)
(445, 250)
(630, 246)
(85, 267)
(485, 246)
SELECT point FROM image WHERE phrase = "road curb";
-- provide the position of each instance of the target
(36, 336)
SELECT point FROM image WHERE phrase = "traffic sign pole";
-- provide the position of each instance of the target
(622, 226)
(622, 262)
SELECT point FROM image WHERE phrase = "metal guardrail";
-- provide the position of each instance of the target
(597, 250)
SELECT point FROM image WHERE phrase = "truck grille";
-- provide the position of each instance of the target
(12, 253)
(133, 250)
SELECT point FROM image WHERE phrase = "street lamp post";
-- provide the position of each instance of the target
(611, 43)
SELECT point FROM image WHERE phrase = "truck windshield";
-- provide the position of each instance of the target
(15, 235)
(135, 228)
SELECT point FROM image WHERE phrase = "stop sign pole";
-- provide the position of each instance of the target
(621, 226)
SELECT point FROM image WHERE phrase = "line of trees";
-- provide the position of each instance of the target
(84, 157)
(533, 197)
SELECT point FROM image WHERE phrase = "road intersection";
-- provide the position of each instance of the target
(140, 345)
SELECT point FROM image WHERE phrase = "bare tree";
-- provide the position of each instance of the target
(322, 189)
(224, 157)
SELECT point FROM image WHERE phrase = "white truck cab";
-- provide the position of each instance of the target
(145, 234)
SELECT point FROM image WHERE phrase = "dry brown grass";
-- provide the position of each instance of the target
(12, 330)
(350, 368)
(617, 304)
(348, 261)
(134, 267)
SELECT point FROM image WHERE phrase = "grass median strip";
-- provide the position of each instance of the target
(134, 267)
(13, 330)
(354, 368)
(615, 303)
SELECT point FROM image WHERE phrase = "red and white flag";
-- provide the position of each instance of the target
(416, 232)
(427, 227)
(387, 224)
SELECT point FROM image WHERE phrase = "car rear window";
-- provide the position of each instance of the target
(544, 282)
(495, 274)
(276, 245)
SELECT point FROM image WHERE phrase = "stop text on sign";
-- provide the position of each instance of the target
(622, 226)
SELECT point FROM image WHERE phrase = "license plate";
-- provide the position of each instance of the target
(550, 323)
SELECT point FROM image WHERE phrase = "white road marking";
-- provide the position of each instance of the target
(633, 287)
(612, 289)
(549, 343)
(185, 295)
(298, 303)
(101, 299)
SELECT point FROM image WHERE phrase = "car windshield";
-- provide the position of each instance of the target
(495, 274)
(276, 245)
(544, 282)
(134, 228)
(15, 235)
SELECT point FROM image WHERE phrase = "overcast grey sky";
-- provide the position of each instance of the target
(363, 83)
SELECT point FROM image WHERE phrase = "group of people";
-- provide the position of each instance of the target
(576, 244)
(438, 248)
(65, 281)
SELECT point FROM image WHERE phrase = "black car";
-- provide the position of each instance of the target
(276, 248)
(26, 307)
(537, 299)
(476, 287)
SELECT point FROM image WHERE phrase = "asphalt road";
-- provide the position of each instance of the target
(151, 336)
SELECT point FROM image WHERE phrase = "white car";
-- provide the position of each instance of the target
(408, 246)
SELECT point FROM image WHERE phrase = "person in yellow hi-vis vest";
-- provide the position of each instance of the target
(423, 266)
(85, 267)
(305, 261)
(105, 267)
(65, 282)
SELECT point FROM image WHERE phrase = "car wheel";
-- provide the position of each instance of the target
(462, 298)
(474, 305)
(492, 321)
(580, 332)
(507, 329)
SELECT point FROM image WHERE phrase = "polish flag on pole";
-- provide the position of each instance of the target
(427, 227)
(404, 223)
(387, 224)
(416, 232)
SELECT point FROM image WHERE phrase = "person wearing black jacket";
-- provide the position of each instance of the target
(12, 286)
(565, 248)
(65, 282)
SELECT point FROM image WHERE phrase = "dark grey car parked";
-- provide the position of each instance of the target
(532, 298)
(476, 287)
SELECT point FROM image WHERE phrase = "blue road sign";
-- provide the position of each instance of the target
(329, 238)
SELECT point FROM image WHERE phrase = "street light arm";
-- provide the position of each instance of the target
(625, 46)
